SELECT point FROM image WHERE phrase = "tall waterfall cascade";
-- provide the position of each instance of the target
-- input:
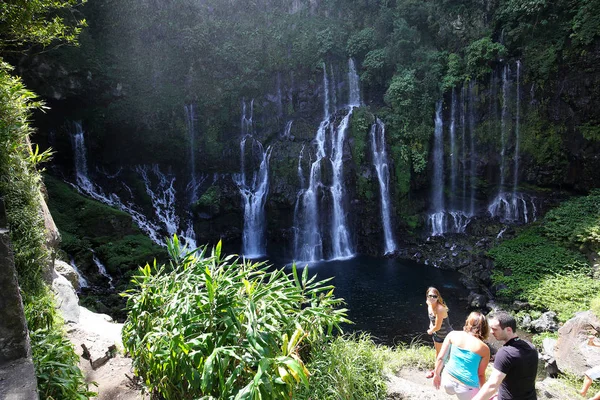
(511, 206)
(442, 219)
(318, 197)
(253, 184)
(380, 162)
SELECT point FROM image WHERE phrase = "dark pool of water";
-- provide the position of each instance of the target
(386, 297)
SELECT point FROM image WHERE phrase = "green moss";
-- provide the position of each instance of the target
(590, 131)
(86, 224)
(210, 200)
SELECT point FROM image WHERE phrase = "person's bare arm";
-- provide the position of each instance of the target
(439, 361)
(485, 359)
(491, 386)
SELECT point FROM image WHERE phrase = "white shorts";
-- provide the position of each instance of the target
(454, 387)
(593, 373)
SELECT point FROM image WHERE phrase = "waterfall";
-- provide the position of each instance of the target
(512, 207)
(102, 269)
(463, 125)
(333, 90)
(308, 242)
(254, 195)
(328, 147)
(287, 131)
(325, 92)
(254, 186)
(473, 155)
(380, 163)
(353, 84)
(82, 281)
(517, 127)
(340, 237)
(80, 158)
(163, 197)
(437, 183)
(503, 123)
(162, 194)
(190, 119)
(453, 155)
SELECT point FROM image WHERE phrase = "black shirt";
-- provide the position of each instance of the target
(517, 359)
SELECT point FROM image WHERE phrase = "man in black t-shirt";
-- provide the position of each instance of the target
(515, 365)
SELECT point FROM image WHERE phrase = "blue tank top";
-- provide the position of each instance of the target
(463, 365)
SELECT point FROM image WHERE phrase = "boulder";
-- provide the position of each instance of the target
(64, 269)
(477, 300)
(572, 352)
(66, 299)
(546, 323)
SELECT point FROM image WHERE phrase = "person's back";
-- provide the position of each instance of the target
(518, 359)
(466, 354)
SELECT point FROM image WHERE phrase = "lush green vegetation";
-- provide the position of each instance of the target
(546, 264)
(210, 325)
(22, 24)
(20, 183)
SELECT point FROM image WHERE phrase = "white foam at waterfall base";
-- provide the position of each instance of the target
(513, 207)
(443, 222)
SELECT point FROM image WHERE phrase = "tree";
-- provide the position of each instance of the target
(38, 21)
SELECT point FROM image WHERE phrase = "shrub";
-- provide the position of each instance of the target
(523, 262)
(214, 326)
(564, 293)
(347, 368)
(576, 223)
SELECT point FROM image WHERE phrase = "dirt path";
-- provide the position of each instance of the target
(97, 333)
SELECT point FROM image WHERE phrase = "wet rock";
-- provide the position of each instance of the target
(64, 269)
(548, 322)
(520, 305)
(477, 300)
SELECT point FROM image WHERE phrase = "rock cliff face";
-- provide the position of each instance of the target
(557, 149)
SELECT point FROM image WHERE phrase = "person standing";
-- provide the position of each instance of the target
(590, 374)
(515, 364)
(439, 325)
(464, 372)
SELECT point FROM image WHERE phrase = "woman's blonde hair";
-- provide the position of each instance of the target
(477, 324)
(440, 299)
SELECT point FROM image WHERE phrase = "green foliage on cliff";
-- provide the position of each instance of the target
(86, 224)
(20, 186)
(210, 325)
(576, 223)
(546, 264)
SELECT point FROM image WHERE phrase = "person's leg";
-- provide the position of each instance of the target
(437, 346)
(587, 382)
(596, 397)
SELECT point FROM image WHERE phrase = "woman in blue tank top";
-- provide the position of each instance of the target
(464, 372)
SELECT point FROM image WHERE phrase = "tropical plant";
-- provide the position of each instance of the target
(216, 327)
